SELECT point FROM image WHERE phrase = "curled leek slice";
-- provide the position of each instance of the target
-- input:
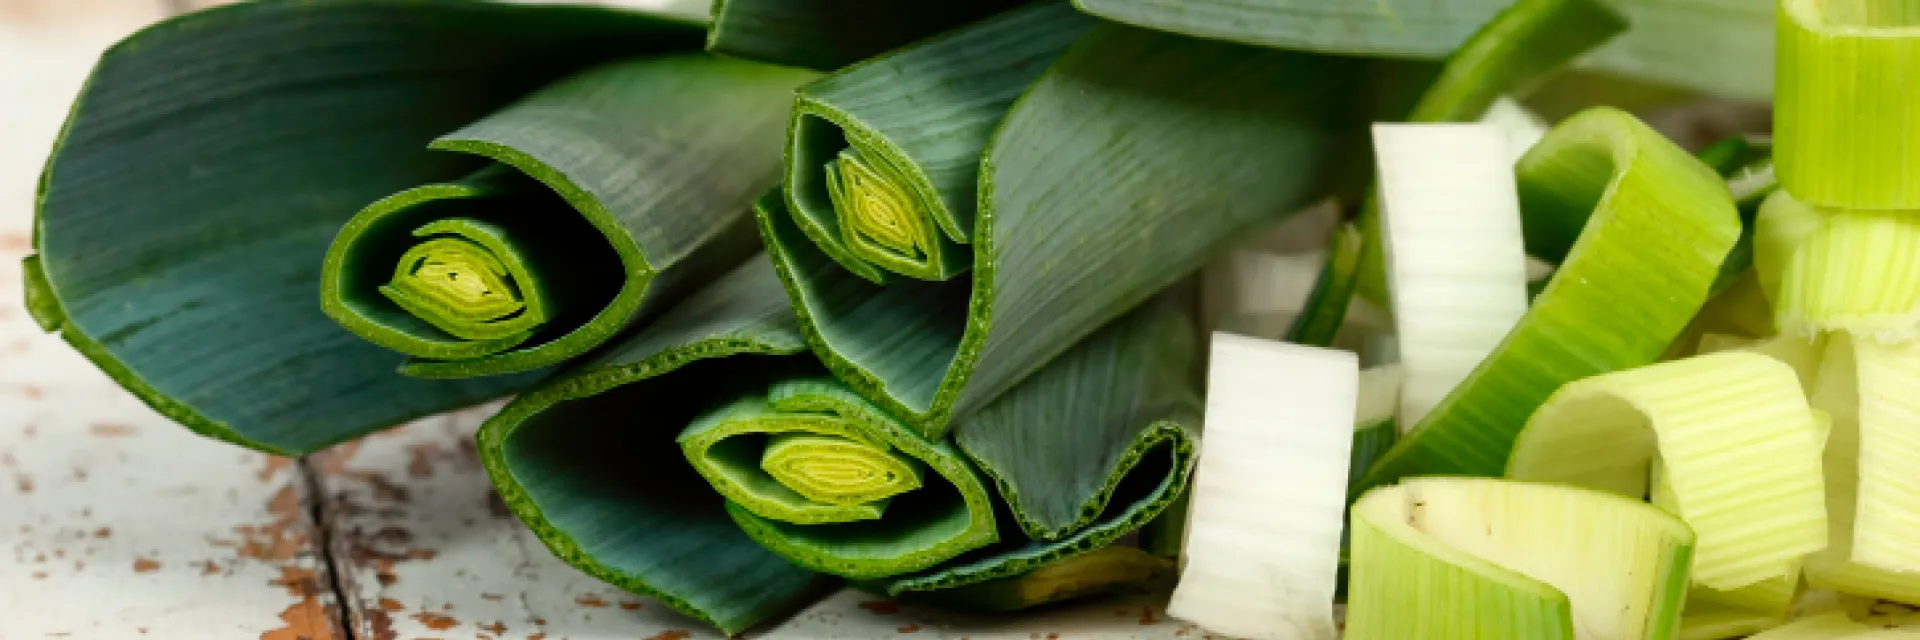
(1643, 226)
(806, 461)
(1479, 558)
(1734, 437)
(1847, 125)
(1263, 533)
(557, 245)
(1868, 389)
(1456, 266)
(887, 187)
(1848, 270)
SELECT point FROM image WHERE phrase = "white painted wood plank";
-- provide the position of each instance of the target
(429, 552)
(116, 522)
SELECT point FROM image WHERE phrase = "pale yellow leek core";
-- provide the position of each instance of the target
(456, 285)
(837, 470)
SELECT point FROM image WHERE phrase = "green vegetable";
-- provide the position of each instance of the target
(1839, 269)
(557, 245)
(1476, 558)
(1845, 124)
(1107, 570)
(1712, 422)
(184, 213)
(829, 34)
(884, 156)
(1719, 46)
(1652, 226)
(1132, 159)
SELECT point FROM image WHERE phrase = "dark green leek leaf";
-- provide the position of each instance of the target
(912, 125)
(587, 459)
(1126, 165)
(183, 216)
(1118, 401)
(617, 188)
(829, 34)
(1720, 46)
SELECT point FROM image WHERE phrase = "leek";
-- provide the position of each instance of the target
(1263, 536)
(555, 247)
(1719, 46)
(1845, 128)
(1120, 170)
(1868, 388)
(829, 34)
(1832, 626)
(184, 260)
(1653, 225)
(1452, 233)
(1838, 390)
(1477, 558)
(886, 186)
(1840, 269)
(1109, 570)
(1712, 421)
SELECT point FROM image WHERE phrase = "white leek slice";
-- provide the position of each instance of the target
(1734, 435)
(1456, 261)
(1869, 388)
(1520, 127)
(1268, 497)
(1479, 558)
(1833, 626)
(1840, 269)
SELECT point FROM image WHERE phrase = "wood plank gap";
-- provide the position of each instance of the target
(323, 522)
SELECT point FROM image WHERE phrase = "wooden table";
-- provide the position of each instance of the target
(118, 524)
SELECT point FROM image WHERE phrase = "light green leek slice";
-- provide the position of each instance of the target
(563, 217)
(1838, 391)
(1456, 267)
(1833, 626)
(1132, 160)
(830, 34)
(1734, 435)
(1840, 269)
(1882, 413)
(185, 261)
(883, 158)
(1847, 120)
(1479, 558)
(1707, 621)
(1263, 532)
(1652, 227)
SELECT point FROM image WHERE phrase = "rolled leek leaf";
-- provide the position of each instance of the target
(1263, 550)
(184, 213)
(829, 34)
(881, 175)
(1520, 46)
(1718, 46)
(832, 483)
(1713, 422)
(1653, 225)
(1457, 268)
(558, 244)
(1125, 166)
(1840, 269)
(587, 459)
(1847, 127)
(1476, 558)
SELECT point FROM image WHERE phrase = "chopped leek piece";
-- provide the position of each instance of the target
(1832, 626)
(1114, 569)
(1846, 270)
(1707, 621)
(1734, 435)
(1263, 539)
(1848, 117)
(1884, 414)
(1478, 558)
(1456, 269)
(1653, 226)
(1837, 391)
